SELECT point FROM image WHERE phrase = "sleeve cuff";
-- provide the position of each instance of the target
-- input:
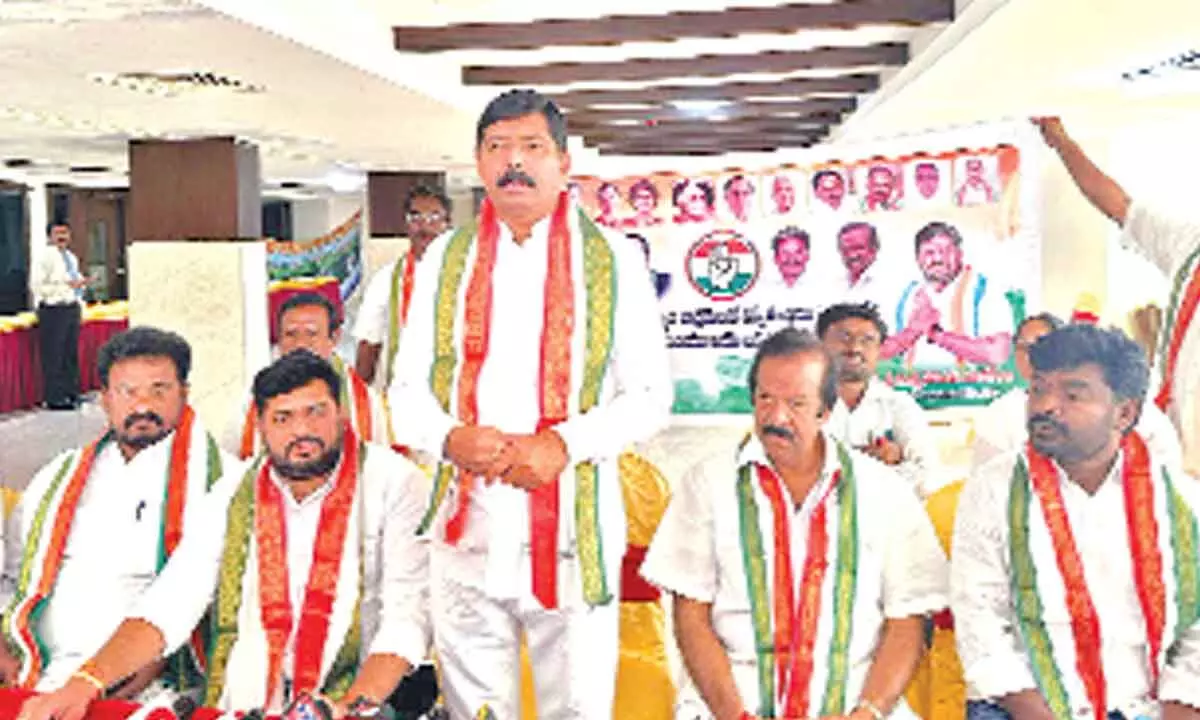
(925, 605)
(998, 675)
(410, 643)
(673, 583)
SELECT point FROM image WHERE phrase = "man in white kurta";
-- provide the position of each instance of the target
(1093, 527)
(108, 504)
(882, 566)
(381, 314)
(954, 315)
(340, 517)
(484, 588)
(999, 428)
(310, 322)
(1171, 243)
(870, 415)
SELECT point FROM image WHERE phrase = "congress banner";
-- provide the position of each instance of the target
(938, 231)
(336, 254)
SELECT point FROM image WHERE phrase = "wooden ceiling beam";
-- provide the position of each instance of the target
(617, 29)
(715, 131)
(856, 84)
(649, 69)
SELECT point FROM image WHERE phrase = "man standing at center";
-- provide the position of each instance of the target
(544, 360)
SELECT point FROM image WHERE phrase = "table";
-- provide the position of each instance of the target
(20, 354)
(11, 701)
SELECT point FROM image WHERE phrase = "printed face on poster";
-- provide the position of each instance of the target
(938, 241)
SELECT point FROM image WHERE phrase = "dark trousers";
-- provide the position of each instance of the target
(984, 710)
(58, 331)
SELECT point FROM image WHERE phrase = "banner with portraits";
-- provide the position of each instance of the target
(940, 232)
(338, 254)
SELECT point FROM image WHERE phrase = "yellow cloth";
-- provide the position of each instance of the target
(937, 690)
(644, 689)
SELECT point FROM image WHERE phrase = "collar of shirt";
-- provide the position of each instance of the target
(315, 496)
(157, 453)
(754, 452)
(1111, 480)
(537, 234)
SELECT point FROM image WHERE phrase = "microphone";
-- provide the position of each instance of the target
(184, 707)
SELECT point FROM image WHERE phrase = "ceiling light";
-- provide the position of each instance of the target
(341, 180)
(699, 107)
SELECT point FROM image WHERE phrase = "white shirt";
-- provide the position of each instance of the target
(1167, 242)
(111, 554)
(1001, 428)
(885, 411)
(995, 315)
(371, 324)
(871, 287)
(634, 404)
(51, 281)
(391, 493)
(697, 553)
(990, 646)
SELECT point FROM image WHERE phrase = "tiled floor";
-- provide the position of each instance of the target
(29, 440)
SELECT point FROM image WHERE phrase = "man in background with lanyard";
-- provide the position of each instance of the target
(58, 287)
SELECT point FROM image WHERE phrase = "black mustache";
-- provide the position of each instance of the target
(304, 438)
(513, 175)
(778, 432)
(147, 416)
(1043, 419)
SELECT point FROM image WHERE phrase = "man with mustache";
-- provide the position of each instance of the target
(801, 570)
(869, 415)
(385, 302)
(310, 322)
(96, 525)
(310, 561)
(544, 360)
(1171, 241)
(1000, 427)
(952, 316)
(858, 245)
(1074, 577)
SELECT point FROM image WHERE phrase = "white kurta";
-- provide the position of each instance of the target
(52, 278)
(1167, 242)
(990, 315)
(371, 323)
(697, 553)
(885, 411)
(491, 564)
(390, 500)
(990, 646)
(872, 287)
(1000, 429)
(111, 554)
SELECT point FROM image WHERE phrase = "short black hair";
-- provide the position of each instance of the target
(1051, 321)
(517, 103)
(816, 178)
(706, 187)
(834, 314)
(729, 183)
(1072, 346)
(790, 231)
(858, 225)
(145, 341)
(310, 299)
(790, 341)
(426, 191)
(291, 372)
(640, 185)
(934, 229)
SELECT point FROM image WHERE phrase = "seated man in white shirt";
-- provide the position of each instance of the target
(1000, 427)
(870, 416)
(97, 524)
(340, 621)
(1074, 573)
(311, 322)
(801, 570)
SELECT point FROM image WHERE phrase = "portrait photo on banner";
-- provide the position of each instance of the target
(938, 239)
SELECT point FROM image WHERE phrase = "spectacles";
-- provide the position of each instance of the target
(427, 218)
(156, 391)
(867, 340)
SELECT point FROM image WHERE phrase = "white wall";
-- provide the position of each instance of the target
(310, 218)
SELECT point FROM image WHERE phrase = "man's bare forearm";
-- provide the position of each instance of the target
(705, 658)
(989, 350)
(377, 678)
(896, 659)
(134, 645)
(366, 360)
(1026, 705)
(1101, 190)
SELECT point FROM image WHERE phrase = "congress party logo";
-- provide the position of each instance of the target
(722, 265)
